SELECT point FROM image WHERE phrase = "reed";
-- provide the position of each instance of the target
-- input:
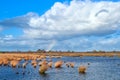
(82, 69)
(14, 63)
(58, 64)
(43, 68)
(50, 64)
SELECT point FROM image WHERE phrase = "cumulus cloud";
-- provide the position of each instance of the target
(8, 37)
(20, 21)
(79, 18)
(89, 44)
(68, 23)
(8, 42)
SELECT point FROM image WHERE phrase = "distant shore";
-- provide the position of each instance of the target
(71, 54)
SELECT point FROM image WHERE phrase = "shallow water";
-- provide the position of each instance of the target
(100, 68)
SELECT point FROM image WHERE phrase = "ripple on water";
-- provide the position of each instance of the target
(99, 68)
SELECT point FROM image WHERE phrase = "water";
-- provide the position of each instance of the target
(100, 68)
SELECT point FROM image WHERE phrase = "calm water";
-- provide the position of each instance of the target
(100, 68)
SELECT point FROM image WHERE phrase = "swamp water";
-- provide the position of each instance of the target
(98, 68)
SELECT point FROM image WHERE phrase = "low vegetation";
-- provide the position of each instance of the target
(38, 59)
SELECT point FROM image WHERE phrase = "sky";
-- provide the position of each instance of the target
(66, 25)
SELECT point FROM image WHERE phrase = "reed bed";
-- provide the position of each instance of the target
(39, 59)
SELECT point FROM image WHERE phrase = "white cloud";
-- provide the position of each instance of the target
(19, 22)
(66, 20)
(8, 37)
(89, 44)
(76, 18)
(78, 25)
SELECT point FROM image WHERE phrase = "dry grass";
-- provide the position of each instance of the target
(82, 69)
(40, 56)
(81, 54)
(58, 64)
(13, 59)
(44, 67)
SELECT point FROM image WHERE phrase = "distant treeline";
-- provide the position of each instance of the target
(52, 51)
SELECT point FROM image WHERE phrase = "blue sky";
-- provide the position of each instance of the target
(10, 9)
(75, 25)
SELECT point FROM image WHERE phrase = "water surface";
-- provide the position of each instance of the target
(100, 68)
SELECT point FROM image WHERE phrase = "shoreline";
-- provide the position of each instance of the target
(69, 54)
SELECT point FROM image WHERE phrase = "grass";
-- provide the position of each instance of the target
(33, 55)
